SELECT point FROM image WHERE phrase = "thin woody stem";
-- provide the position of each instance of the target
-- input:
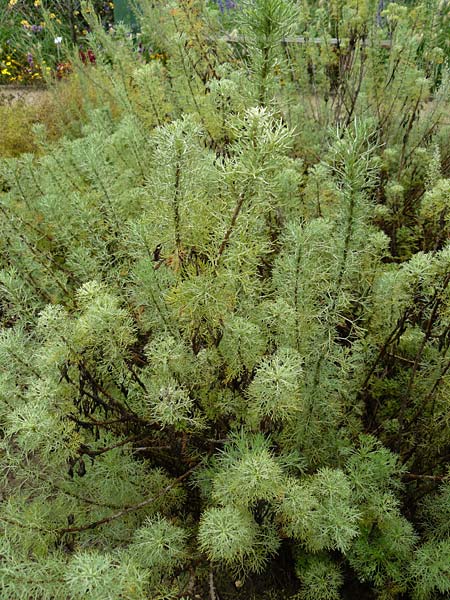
(229, 231)
(130, 509)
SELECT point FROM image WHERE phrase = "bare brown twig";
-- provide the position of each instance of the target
(130, 509)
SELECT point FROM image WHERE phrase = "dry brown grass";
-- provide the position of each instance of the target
(62, 109)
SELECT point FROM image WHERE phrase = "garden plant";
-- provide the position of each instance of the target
(225, 312)
(33, 33)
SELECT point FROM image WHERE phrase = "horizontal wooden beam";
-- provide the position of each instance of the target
(301, 40)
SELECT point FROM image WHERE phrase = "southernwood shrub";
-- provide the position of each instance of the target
(225, 314)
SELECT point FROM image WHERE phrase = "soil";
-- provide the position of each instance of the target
(10, 94)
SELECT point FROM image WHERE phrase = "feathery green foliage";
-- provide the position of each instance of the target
(225, 315)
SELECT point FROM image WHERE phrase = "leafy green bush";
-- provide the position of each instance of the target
(225, 316)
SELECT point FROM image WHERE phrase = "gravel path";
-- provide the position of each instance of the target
(10, 94)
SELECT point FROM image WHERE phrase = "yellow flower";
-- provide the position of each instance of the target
(12, 3)
(59, 21)
(24, 23)
(52, 16)
(5, 72)
(37, 3)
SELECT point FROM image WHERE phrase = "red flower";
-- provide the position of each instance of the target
(87, 56)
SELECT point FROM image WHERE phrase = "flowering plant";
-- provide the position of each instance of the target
(32, 34)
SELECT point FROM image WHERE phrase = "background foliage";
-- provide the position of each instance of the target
(29, 30)
(225, 312)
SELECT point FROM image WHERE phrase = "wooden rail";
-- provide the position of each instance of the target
(235, 38)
